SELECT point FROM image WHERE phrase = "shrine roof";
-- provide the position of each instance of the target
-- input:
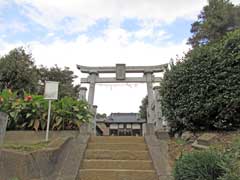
(124, 118)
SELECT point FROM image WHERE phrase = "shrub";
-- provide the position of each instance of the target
(69, 113)
(202, 91)
(231, 163)
(31, 111)
(199, 165)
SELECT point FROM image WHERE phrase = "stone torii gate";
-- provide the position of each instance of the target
(120, 70)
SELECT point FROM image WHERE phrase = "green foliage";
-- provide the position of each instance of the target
(199, 165)
(210, 164)
(202, 91)
(18, 71)
(70, 113)
(216, 19)
(15, 178)
(231, 163)
(181, 141)
(143, 108)
(7, 99)
(30, 112)
(101, 116)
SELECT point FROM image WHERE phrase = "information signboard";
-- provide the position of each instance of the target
(50, 93)
(51, 90)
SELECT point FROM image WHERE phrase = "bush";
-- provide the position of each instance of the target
(202, 91)
(31, 112)
(199, 165)
(231, 163)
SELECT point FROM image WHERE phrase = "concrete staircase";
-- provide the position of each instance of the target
(117, 158)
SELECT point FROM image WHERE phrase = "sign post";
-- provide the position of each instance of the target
(50, 93)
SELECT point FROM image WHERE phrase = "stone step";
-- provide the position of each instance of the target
(116, 174)
(195, 145)
(118, 146)
(203, 142)
(118, 164)
(117, 139)
(206, 139)
(117, 155)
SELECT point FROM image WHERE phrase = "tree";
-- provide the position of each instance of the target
(101, 116)
(64, 76)
(202, 91)
(143, 108)
(18, 71)
(216, 19)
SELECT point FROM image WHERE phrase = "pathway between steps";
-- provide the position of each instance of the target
(117, 158)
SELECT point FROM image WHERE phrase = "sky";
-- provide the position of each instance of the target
(100, 33)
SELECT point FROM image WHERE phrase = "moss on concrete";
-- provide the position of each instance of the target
(26, 147)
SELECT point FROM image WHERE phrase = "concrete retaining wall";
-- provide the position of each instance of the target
(29, 165)
(29, 137)
(54, 163)
(3, 126)
(158, 150)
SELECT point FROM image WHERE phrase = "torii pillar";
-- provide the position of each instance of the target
(158, 108)
(92, 78)
(150, 111)
(150, 126)
(82, 93)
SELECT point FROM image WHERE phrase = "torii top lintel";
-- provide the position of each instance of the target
(128, 69)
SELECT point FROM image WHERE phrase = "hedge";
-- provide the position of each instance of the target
(202, 90)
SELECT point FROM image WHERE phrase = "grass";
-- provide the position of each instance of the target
(180, 141)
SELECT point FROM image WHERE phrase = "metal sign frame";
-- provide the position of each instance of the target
(50, 93)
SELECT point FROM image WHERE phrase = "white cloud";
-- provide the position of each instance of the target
(5, 46)
(113, 47)
(15, 27)
(3, 3)
(79, 15)
(156, 36)
(12, 26)
(236, 2)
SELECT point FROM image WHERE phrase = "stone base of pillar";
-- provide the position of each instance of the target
(92, 130)
(85, 129)
(149, 129)
(162, 134)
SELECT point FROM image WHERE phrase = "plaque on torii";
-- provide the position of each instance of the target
(120, 71)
